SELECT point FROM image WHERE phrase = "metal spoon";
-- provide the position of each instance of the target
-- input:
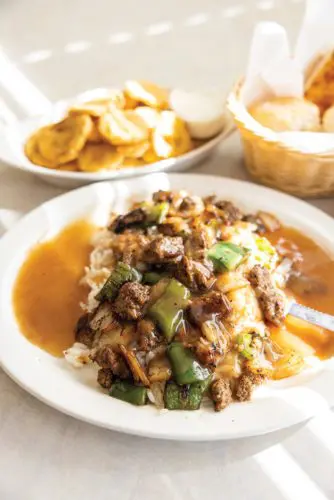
(311, 316)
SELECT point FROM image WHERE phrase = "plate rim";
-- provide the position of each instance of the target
(163, 435)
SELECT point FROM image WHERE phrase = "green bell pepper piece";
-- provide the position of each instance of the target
(167, 311)
(227, 255)
(120, 275)
(125, 391)
(182, 398)
(152, 277)
(185, 367)
(187, 397)
(157, 213)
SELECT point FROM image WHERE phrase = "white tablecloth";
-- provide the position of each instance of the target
(64, 47)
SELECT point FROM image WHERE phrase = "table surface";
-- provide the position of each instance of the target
(64, 48)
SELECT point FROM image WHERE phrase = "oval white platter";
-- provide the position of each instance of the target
(14, 135)
(75, 392)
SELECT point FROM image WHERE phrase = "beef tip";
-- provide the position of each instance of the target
(270, 300)
(253, 219)
(272, 305)
(221, 393)
(207, 353)
(210, 200)
(103, 318)
(162, 196)
(205, 308)
(83, 331)
(168, 229)
(230, 213)
(260, 277)
(187, 203)
(129, 256)
(191, 206)
(200, 239)
(174, 226)
(194, 275)
(131, 300)
(246, 384)
(129, 247)
(104, 377)
(149, 338)
(131, 219)
(108, 359)
(164, 249)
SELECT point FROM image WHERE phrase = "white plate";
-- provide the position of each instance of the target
(277, 405)
(14, 136)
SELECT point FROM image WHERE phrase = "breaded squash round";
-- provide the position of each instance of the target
(61, 142)
(95, 157)
(122, 127)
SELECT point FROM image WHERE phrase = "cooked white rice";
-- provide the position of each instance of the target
(100, 264)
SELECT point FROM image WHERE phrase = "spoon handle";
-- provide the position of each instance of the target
(312, 316)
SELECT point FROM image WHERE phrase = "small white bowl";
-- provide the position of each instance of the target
(14, 136)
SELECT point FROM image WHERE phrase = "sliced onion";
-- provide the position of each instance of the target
(270, 222)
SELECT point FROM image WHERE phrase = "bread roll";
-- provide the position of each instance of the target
(328, 120)
(287, 114)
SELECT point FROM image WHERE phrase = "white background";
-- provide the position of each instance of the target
(51, 50)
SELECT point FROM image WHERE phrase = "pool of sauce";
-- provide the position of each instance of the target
(317, 264)
(47, 291)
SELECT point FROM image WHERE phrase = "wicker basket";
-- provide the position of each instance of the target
(276, 165)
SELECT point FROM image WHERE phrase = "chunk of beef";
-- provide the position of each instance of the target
(174, 226)
(207, 353)
(210, 200)
(83, 331)
(129, 247)
(164, 249)
(272, 305)
(190, 206)
(270, 300)
(149, 338)
(260, 278)
(103, 318)
(188, 203)
(221, 393)
(129, 256)
(246, 384)
(131, 219)
(108, 359)
(229, 212)
(131, 300)
(200, 239)
(194, 275)
(104, 377)
(206, 307)
(162, 196)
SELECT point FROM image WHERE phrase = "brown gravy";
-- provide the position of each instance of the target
(47, 292)
(319, 265)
